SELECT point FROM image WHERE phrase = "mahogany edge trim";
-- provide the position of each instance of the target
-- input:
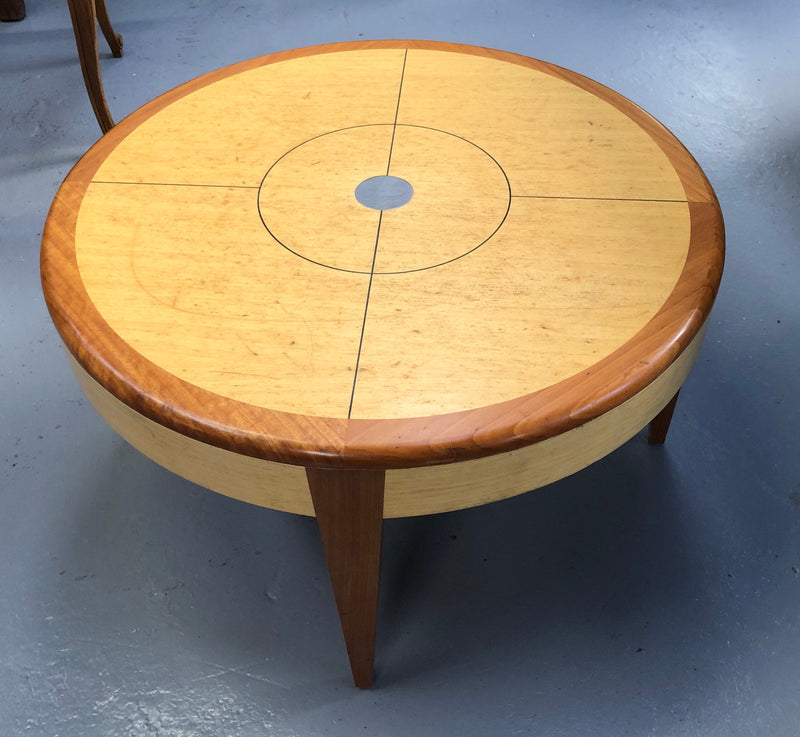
(388, 443)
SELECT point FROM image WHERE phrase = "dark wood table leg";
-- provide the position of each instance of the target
(11, 10)
(84, 24)
(349, 509)
(660, 424)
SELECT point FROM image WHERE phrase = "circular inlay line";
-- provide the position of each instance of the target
(395, 199)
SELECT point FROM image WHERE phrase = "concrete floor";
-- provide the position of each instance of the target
(655, 593)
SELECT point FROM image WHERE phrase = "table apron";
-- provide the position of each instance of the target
(410, 491)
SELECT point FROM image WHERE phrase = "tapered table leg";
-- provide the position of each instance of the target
(660, 424)
(349, 509)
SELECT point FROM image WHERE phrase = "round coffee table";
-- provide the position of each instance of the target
(382, 279)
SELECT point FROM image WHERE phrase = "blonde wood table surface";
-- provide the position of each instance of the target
(383, 279)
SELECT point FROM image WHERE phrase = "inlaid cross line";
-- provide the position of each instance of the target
(179, 184)
(377, 241)
(396, 113)
(593, 199)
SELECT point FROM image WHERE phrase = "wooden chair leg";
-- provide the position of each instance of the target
(660, 424)
(12, 10)
(84, 24)
(114, 39)
(349, 509)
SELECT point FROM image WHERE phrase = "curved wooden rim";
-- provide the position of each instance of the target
(395, 443)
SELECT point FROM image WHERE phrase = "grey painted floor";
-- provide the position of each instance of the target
(655, 593)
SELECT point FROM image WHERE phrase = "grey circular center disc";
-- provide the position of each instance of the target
(384, 193)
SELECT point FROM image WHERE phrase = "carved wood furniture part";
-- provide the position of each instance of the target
(85, 15)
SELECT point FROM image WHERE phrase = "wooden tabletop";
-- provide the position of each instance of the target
(209, 264)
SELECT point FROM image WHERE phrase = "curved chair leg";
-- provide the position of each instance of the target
(84, 24)
(114, 39)
(12, 10)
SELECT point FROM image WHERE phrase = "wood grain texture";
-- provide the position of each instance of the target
(444, 488)
(408, 492)
(253, 480)
(600, 300)
(349, 511)
(563, 284)
(575, 143)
